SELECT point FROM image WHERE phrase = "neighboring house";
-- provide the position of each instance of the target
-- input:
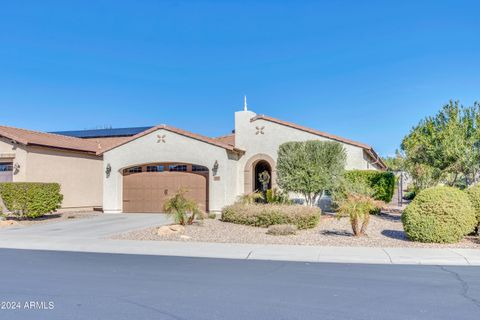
(141, 172)
(31, 156)
(137, 169)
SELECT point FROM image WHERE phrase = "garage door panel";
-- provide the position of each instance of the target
(148, 191)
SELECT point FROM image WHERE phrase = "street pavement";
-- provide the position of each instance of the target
(69, 285)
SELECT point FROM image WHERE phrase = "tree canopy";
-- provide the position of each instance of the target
(310, 167)
(445, 147)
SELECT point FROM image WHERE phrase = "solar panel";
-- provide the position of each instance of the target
(103, 133)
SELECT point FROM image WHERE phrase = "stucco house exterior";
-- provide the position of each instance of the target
(137, 169)
(142, 171)
(74, 163)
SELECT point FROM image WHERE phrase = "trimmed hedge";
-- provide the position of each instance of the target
(265, 215)
(382, 183)
(439, 215)
(474, 195)
(31, 200)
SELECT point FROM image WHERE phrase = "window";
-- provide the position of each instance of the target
(6, 166)
(197, 168)
(155, 168)
(178, 167)
(134, 170)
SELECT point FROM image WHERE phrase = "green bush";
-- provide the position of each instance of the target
(31, 200)
(382, 183)
(474, 195)
(439, 215)
(282, 230)
(265, 215)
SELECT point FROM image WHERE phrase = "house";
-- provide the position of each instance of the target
(141, 172)
(137, 169)
(74, 163)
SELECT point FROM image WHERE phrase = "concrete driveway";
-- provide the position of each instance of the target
(93, 227)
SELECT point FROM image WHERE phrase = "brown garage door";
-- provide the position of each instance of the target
(148, 191)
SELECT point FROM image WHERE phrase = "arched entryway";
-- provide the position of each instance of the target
(256, 165)
(261, 167)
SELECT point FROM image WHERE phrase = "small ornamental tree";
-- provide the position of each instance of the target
(310, 167)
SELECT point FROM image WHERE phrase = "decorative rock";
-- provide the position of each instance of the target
(184, 237)
(177, 228)
(165, 231)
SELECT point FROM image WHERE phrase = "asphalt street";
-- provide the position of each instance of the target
(67, 285)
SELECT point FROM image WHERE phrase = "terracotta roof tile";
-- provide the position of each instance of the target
(228, 139)
(368, 149)
(195, 136)
(29, 137)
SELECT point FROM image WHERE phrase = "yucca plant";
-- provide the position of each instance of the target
(183, 210)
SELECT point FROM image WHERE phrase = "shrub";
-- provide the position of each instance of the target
(474, 195)
(282, 230)
(358, 208)
(265, 215)
(309, 168)
(31, 200)
(382, 183)
(250, 198)
(183, 210)
(439, 215)
(277, 196)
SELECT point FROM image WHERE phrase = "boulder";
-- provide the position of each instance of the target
(177, 228)
(165, 231)
(169, 230)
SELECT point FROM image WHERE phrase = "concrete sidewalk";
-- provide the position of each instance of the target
(415, 256)
(92, 235)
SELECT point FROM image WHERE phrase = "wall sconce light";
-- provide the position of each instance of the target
(108, 170)
(215, 168)
(16, 168)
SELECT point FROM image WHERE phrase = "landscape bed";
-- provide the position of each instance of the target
(385, 230)
(49, 218)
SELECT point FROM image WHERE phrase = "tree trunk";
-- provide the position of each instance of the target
(366, 221)
(355, 227)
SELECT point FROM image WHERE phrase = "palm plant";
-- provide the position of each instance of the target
(354, 200)
(183, 210)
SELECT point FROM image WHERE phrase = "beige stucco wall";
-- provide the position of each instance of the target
(273, 136)
(20, 157)
(177, 148)
(79, 175)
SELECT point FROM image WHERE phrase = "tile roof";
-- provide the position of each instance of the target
(29, 137)
(228, 139)
(368, 149)
(195, 136)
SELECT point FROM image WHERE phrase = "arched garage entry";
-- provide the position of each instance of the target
(147, 187)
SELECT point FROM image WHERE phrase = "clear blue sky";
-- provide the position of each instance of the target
(364, 70)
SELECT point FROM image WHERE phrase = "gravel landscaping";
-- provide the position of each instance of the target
(385, 230)
(53, 217)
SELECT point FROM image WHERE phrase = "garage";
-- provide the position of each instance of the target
(147, 187)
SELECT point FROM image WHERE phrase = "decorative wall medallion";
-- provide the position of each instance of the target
(161, 138)
(260, 130)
